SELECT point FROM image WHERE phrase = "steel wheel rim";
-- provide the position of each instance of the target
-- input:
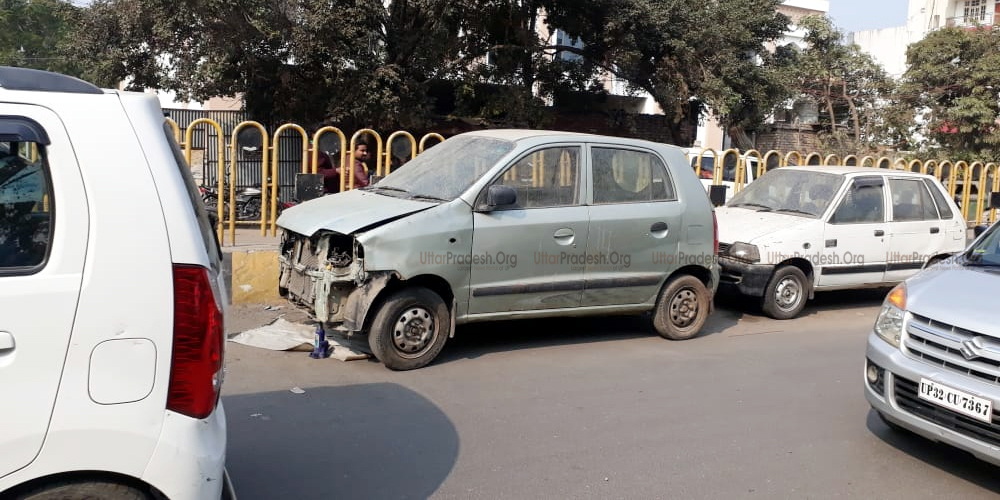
(788, 293)
(414, 332)
(683, 308)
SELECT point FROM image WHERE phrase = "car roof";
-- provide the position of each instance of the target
(516, 135)
(854, 171)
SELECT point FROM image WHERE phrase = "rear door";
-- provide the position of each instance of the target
(917, 231)
(43, 242)
(636, 223)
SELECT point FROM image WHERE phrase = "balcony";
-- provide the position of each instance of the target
(987, 19)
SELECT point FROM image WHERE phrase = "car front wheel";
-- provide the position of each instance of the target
(410, 329)
(786, 293)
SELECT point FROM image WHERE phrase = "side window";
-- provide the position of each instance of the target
(911, 201)
(27, 208)
(939, 199)
(863, 203)
(626, 176)
(546, 178)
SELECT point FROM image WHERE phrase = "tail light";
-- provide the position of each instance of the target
(715, 232)
(199, 339)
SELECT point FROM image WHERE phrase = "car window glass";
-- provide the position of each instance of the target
(911, 201)
(939, 199)
(627, 176)
(545, 178)
(863, 203)
(27, 208)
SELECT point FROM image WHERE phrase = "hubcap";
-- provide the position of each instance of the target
(684, 308)
(788, 293)
(414, 332)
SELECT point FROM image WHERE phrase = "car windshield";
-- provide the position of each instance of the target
(798, 192)
(986, 251)
(446, 170)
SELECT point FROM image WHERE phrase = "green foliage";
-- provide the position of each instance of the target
(33, 34)
(952, 87)
(850, 89)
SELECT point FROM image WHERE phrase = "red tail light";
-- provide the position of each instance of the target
(199, 340)
(715, 231)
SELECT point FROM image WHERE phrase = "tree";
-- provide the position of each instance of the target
(688, 55)
(951, 85)
(850, 88)
(33, 34)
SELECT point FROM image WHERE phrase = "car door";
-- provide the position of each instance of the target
(530, 256)
(635, 226)
(917, 230)
(856, 236)
(43, 242)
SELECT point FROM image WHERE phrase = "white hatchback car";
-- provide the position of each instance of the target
(112, 300)
(796, 230)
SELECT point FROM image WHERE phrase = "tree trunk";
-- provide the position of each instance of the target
(854, 114)
(741, 139)
(828, 97)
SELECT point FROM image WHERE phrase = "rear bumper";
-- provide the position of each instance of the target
(748, 279)
(189, 462)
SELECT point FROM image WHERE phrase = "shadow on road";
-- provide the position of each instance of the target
(824, 301)
(477, 339)
(360, 441)
(944, 457)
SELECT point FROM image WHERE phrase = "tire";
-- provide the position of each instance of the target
(89, 490)
(410, 329)
(682, 308)
(786, 293)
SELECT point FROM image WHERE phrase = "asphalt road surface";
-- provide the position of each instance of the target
(592, 408)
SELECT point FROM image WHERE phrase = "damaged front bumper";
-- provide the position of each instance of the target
(325, 275)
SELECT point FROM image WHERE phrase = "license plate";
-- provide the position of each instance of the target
(955, 400)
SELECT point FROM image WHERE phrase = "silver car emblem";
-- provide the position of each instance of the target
(970, 348)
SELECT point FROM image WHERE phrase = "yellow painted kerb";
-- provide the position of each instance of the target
(255, 277)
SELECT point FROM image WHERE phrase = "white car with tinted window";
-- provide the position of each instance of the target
(111, 301)
(798, 230)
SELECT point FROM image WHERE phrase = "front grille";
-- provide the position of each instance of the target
(907, 399)
(941, 344)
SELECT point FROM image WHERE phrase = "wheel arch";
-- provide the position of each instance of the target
(82, 476)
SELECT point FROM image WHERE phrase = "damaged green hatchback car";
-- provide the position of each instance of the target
(505, 224)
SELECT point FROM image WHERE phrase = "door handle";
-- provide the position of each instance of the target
(6, 341)
(935, 230)
(658, 227)
(879, 232)
(563, 233)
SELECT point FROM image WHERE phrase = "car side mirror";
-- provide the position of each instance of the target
(979, 230)
(499, 196)
(717, 194)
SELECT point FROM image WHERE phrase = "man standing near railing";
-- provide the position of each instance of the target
(331, 174)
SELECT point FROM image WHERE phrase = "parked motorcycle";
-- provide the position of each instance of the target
(247, 202)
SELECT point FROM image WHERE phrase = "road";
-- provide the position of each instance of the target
(753, 408)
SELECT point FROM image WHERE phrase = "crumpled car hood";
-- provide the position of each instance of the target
(347, 212)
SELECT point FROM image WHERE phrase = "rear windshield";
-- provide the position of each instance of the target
(205, 226)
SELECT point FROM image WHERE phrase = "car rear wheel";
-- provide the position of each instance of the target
(410, 329)
(786, 293)
(85, 491)
(682, 308)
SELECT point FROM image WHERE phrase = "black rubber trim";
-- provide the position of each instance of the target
(21, 129)
(12, 78)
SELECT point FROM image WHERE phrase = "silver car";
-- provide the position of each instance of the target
(500, 225)
(933, 360)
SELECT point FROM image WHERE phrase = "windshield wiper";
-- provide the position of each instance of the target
(795, 211)
(386, 188)
(426, 197)
(763, 208)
